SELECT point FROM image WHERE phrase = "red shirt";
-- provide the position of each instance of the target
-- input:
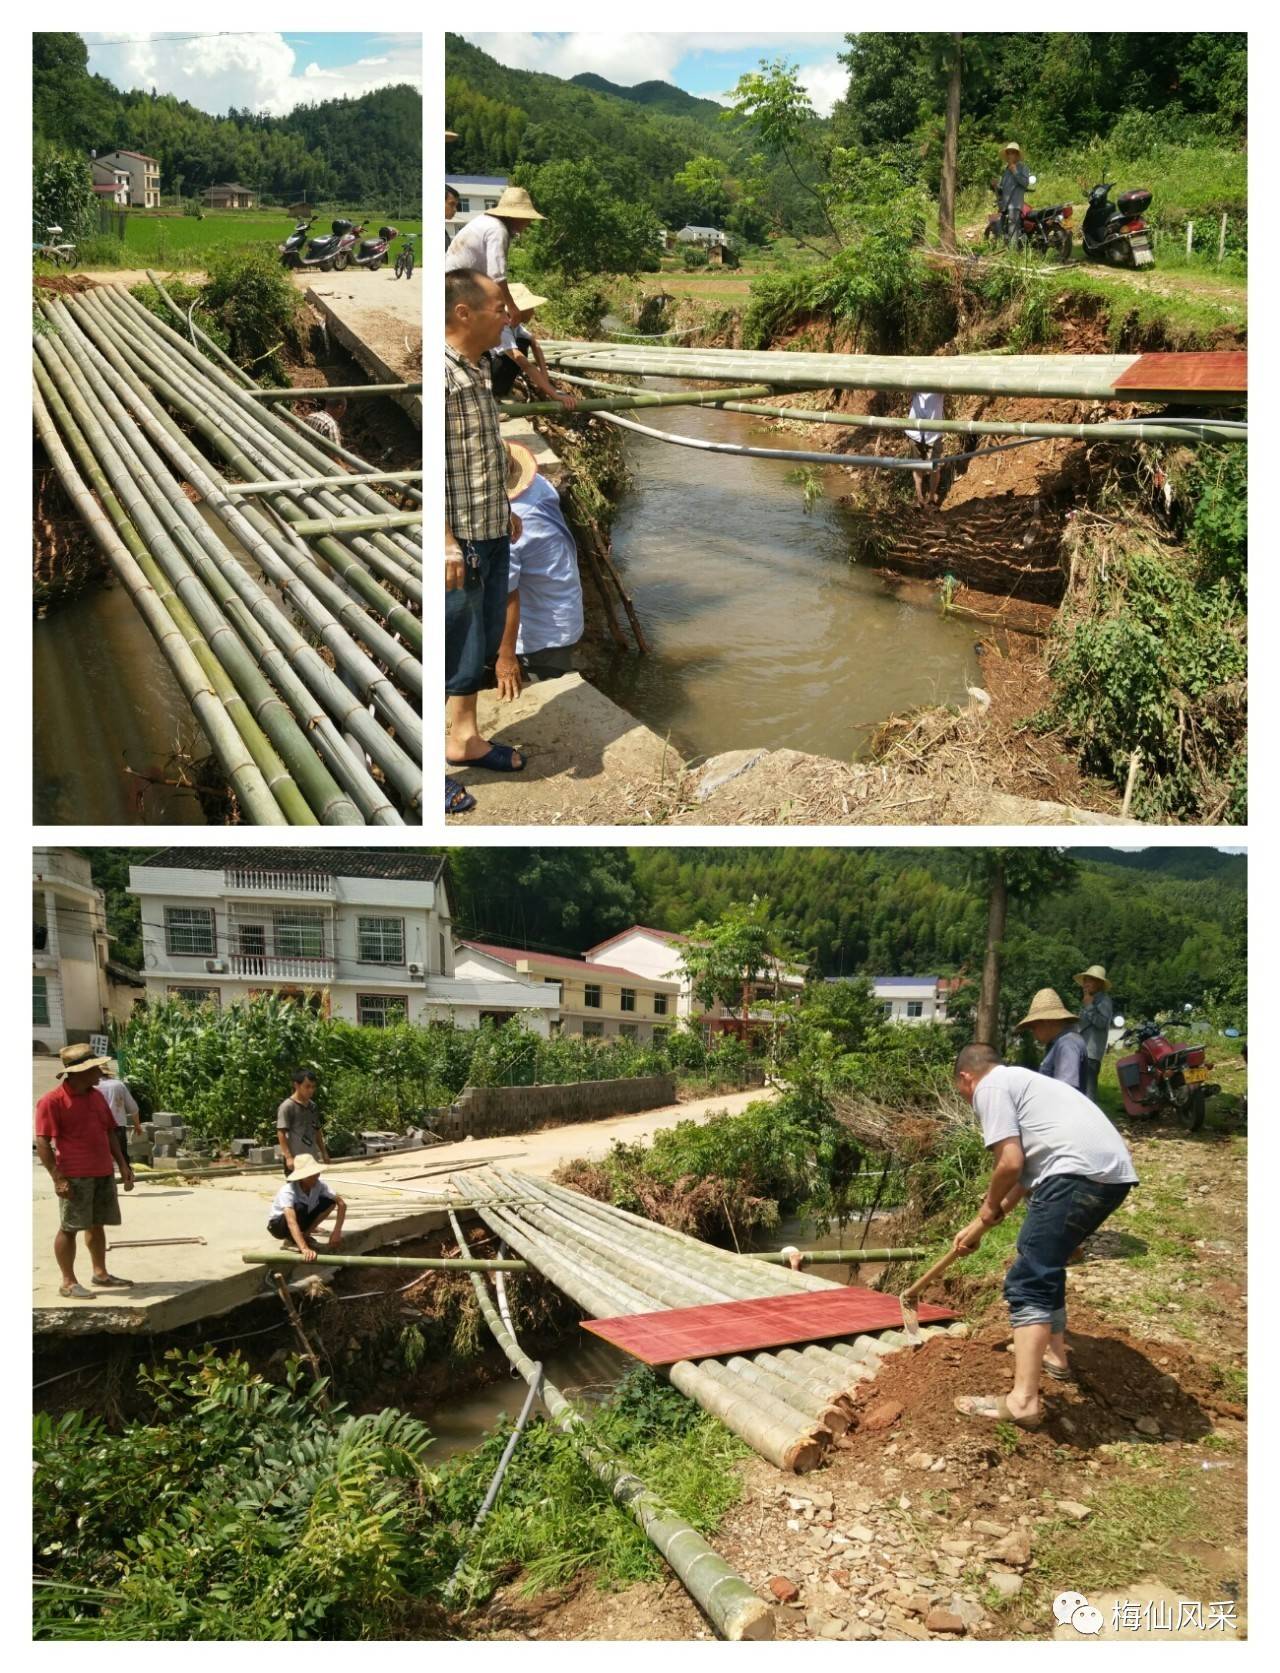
(80, 1125)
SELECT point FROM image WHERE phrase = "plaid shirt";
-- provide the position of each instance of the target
(475, 460)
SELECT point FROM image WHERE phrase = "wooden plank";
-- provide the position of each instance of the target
(1196, 374)
(726, 1327)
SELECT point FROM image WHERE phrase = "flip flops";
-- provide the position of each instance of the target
(75, 1292)
(457, 799)
(107, 1282)
(499, 758)
(1059, 1373)
(994, 1408)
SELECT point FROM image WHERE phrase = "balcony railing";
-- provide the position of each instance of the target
(271, 967)
(253, 881)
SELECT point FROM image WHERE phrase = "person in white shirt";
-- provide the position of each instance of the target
(928, 445)
(1055, 1147)
(482, 243)
(301, 1204)
(121, 1100)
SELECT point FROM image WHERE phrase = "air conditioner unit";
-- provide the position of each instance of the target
(415, 970)
(216, 966)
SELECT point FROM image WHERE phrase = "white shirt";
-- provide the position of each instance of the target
(120, 1098)
(294, 1197)
(1060, 1130)
(924, 405)
(482, 244)
(544, 565)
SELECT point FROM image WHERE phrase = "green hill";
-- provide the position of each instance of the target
(654, 95)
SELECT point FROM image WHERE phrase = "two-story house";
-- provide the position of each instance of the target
(595, 1000)
(912, 998)
(660, 953)
(477, 193)
(144, 176)
(77, 988)
(362, 934)
(110, 185)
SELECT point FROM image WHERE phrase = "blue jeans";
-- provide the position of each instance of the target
(474, 616)
(1060, 1215)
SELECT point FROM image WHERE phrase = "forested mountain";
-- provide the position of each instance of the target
(353, 150)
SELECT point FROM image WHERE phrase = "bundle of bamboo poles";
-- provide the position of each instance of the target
(789, 1405)
(300, 654)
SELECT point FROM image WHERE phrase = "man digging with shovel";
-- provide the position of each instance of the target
(1054, 1146)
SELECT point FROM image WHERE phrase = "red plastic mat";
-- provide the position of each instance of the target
(1221, 373)
(727, 1327)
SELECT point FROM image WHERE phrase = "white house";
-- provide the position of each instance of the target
(110, 184)
(477, 193)
(71, 991)
(710, 238)
(592, 999)
(912, 998)
(143, 173)
(659, 954)
(364, 934)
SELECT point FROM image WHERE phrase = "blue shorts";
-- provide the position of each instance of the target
(474, 616)
(1060, 1215)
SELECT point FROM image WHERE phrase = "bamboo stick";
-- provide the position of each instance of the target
(416, 1263)
(289, 482)
(356, 525)
(722, 1595)
(325, 392)
(623, 400)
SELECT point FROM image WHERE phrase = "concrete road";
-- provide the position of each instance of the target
(177, 1283)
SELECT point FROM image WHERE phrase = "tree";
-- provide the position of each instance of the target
(772, 102)
(947, 194)
(62, 195)
(704, 190)
(724, 960)
(587, 229)
(1010, 874)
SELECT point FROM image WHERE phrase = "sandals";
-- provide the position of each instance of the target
(995, 1408)
(457, 798)
(499, 758)
(1059, 1373)
(107, 1282)
(75, 1292)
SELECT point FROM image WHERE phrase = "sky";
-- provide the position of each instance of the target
(708, 64)
(264, 72)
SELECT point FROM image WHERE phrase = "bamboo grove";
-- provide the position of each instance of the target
(290, 615)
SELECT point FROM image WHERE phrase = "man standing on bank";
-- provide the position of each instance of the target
(1096, 1015)
(298, 1131)
(1051, 1145)
(1011, 191)
(1054, 1028)
(80, 1147)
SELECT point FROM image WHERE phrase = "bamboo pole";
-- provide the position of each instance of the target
(325, 392)
(416, 1263)
(625, 399)
(244, 776)
(723, 1596)
(356, 525)
(286, 483)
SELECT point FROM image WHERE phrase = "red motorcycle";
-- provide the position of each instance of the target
(1161, 1080)
(372, 252)
(1044, 230)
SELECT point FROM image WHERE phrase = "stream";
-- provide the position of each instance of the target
(763, 634)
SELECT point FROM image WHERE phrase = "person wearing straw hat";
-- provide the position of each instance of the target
(517, 348)
(1096, 1015)
(482, 244)
(1054, 1027)
(121, 1102)
(1050, 1145)
(543, 572)
(301, 1204)
(1011, 190)
(80, 1148)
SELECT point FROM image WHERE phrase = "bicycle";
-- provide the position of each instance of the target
(404, 259)
(61, 255)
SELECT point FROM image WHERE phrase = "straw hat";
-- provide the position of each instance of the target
(76, 1059)
(1098, 974)
(1013, 146)
(304, 1167)
(1047, 1007)
(524, 298)
(515, 204)
(522, 467)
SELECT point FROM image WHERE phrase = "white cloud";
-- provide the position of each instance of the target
(258, 72)
(825, 83)
(628, 59)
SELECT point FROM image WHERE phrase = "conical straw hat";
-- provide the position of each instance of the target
(515, 204)
(1047, 1007)
(1098, 974)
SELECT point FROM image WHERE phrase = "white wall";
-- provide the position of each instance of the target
(646, 955)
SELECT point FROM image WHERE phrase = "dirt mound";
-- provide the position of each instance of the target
(65, 284)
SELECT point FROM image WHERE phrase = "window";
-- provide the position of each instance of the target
(253, 940)
(659, 1004)
(591, 996)
(381, 1010)
(196, 996)
(915, 1007)
(188, 931)
(628, 999)
(299, 933)
(886, 1008)
(628, 1030)
(381, 940)
(592, 1030)
(40, 1002)
(660, 1036)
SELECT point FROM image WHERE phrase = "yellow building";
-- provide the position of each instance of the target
(596, 1000)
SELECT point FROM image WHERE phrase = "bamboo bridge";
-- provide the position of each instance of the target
(283, 591)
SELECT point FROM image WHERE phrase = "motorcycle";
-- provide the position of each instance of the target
(1115, 233)
(330, 253)
(372, 252)
(296, 239)
(404, 258)
(1044, 230)
(1160, 1079)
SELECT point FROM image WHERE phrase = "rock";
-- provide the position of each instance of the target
(1073, 1508)
(957, 1547)
(943, 1620)
(1015, 1549)
(996, 1530)
(919, 1461)
(822, 1625)
(969, 1611)
(860, 1631)
(908, 1628)
(1005, 1586)
(1147, 1426)
(786, 1591)
(862, 1534)
(883, 1415)
(166, 1118)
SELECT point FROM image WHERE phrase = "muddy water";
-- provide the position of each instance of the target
(763, 633)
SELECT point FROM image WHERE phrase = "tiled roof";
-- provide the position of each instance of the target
(398, 864)
(637, 929)
(513, 955)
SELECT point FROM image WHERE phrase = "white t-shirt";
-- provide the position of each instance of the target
(924, 405)
(544, 565)
(1060, 1130)
(482, 244)
(294, 1197)
(120, 1099)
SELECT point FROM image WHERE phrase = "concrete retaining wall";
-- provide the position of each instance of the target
(490, 1111)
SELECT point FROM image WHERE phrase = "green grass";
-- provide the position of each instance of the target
(1137, 1528)
(183, 241)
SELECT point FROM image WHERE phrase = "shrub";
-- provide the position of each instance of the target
(62, 195)
(257, 304)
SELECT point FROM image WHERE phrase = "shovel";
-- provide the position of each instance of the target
(910, 1318)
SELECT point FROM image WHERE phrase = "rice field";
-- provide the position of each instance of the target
(183, 241)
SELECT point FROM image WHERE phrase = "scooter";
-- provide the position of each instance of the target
(1160, 1079)
(293, 244)
(372, 252)
(1115, 233)
(1045, 230)
(329, 253)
